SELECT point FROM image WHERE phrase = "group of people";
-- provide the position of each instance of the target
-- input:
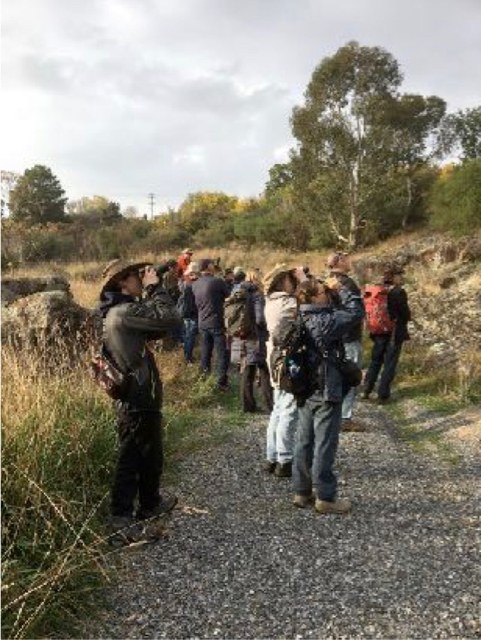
(239, 310)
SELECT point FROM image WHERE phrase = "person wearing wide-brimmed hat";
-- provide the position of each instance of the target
(387, 347)
(129, 322)
(280, 312)
(183, 261)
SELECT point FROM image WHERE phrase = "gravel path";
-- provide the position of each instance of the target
(241, 562)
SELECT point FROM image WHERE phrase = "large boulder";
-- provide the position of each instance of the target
(15, 288)
(45, 319)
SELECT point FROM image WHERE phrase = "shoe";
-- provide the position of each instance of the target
(302, 501)
(351, 425)
(383, 400)
(365, 395)
(269, 467)
(223, 387)
(124, 531)
(339, 506)
(165, 506)
(283, 470)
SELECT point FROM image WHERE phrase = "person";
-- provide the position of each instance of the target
(239, 277)
(129, 323)
(253, 348)
(320, 416)
(183, 262)
(387, 347)
(210, 293)
(188, 310)
(281, 312)
(170, 278)
(229, 278)
(339, 266)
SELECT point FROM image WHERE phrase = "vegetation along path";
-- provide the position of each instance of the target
(240, 562)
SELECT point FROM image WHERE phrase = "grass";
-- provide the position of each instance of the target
(59, 449)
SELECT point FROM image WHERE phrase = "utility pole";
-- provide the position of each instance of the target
(151, 197)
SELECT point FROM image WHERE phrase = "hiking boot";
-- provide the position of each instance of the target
(269, 467)
(302, 501)
(283, 470)
(383, 400)
(123, 531)
(339, 506)
(165, 505)
(352, 425)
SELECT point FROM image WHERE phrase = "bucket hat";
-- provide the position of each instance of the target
(116, 270)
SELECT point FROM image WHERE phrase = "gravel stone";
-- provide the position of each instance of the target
(242, 562)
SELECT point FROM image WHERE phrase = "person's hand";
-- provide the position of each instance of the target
(150, 277)
(332, 283)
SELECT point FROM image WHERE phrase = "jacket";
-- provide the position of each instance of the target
(128, 326)
(210, 293)
(354, 334)
(326, 326)
(281, 314)
(254, 347)
(186, 304)
(399, 311)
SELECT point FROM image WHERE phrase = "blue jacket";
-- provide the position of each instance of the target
(326, 327)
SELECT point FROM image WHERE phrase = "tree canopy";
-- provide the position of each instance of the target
(38, 197)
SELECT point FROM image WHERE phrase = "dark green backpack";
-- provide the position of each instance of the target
(239, 316)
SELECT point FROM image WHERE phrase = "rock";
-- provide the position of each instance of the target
(15, 288)
(44, 319)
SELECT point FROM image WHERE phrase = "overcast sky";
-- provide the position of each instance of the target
(125, 97)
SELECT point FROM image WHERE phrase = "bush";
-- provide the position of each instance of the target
(455, 202)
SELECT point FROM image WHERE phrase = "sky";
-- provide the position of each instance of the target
(123, 98)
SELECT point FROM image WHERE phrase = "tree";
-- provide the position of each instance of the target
(199, 210)
(461, 134)
(8, 180)
(38, 197)
(359, 145)
(96, 210)
(455, 202)
(130, 212)
(414, 121)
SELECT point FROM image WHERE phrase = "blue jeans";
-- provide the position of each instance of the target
(354, 353)
(282, 427)
(316, 448)
(385, 355)
(190, 334)
(214, 339)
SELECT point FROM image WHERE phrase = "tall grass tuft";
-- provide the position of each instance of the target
(58, 443)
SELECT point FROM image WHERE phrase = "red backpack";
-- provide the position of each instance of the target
(378, 320)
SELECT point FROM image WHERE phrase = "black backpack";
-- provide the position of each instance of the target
(294, 371)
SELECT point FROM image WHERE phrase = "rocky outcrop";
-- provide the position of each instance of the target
(15, 288)
(45, 318)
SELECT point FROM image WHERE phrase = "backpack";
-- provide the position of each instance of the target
(239, 315)
(107, 375)
(378, 320)
(293, 370)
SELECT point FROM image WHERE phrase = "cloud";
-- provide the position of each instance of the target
(127, 97)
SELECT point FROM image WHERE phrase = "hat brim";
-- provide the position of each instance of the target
(114, 280)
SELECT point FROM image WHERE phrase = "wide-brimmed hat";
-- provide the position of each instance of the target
(333, 259)
(116, 270)
(273, 273)
(239, 271)
(188, 250)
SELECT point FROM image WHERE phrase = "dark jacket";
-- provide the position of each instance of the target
(186, 304)
(258, 353)
(397, 304)
(210, 293)
(326, 326)
(128, 326)
(354, 334)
